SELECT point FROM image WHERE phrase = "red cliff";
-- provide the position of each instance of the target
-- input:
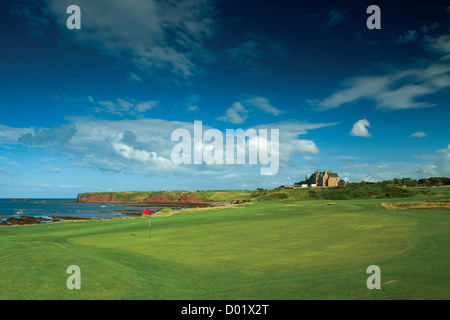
(152, 198)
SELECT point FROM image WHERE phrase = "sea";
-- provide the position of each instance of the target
(46, 208)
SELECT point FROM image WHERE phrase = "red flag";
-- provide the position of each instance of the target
(146, 211)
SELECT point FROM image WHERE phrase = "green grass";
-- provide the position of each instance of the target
(314, 249)
(349, 192)
(205, 195)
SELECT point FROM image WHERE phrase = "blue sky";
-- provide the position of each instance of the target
(94, 109)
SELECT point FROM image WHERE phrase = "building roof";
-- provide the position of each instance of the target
(334, 175)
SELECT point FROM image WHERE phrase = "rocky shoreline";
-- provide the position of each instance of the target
(188, 201)
(25, 220)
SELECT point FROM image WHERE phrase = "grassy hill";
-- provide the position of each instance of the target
(260, 250)
(204, 195)
(349, 192)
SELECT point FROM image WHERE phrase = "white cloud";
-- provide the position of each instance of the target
(135, 77)
(235, 114)
(239, 111)
(428, 27)
(146, 105)
(150, 34)
(440, 44)
(445, 151)
(418, 135)
(403, 98)
(359, 87)
(193, 108)
(407, 37)
(57, 136)
(10, 135)
(360, 129)
(192, 102)
(395, 91)
(263, 104)
(31, 10)
(399, 89)
(420, 166)
(49, 169)
(290, 143)
(144, 146)
(150, 159)
(298, 147)
(123, 107)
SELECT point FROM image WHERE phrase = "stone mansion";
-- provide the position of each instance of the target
(320, 179)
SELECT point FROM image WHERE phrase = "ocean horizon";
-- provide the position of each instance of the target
(68, 207)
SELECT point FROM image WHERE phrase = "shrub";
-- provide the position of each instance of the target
(351, 191)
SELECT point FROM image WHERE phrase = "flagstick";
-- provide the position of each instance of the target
(145, 212)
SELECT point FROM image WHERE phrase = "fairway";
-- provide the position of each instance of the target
(314, 249)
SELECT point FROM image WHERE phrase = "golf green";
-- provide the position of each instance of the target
(313, 249)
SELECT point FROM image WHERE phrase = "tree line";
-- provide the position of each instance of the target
(408, 182)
